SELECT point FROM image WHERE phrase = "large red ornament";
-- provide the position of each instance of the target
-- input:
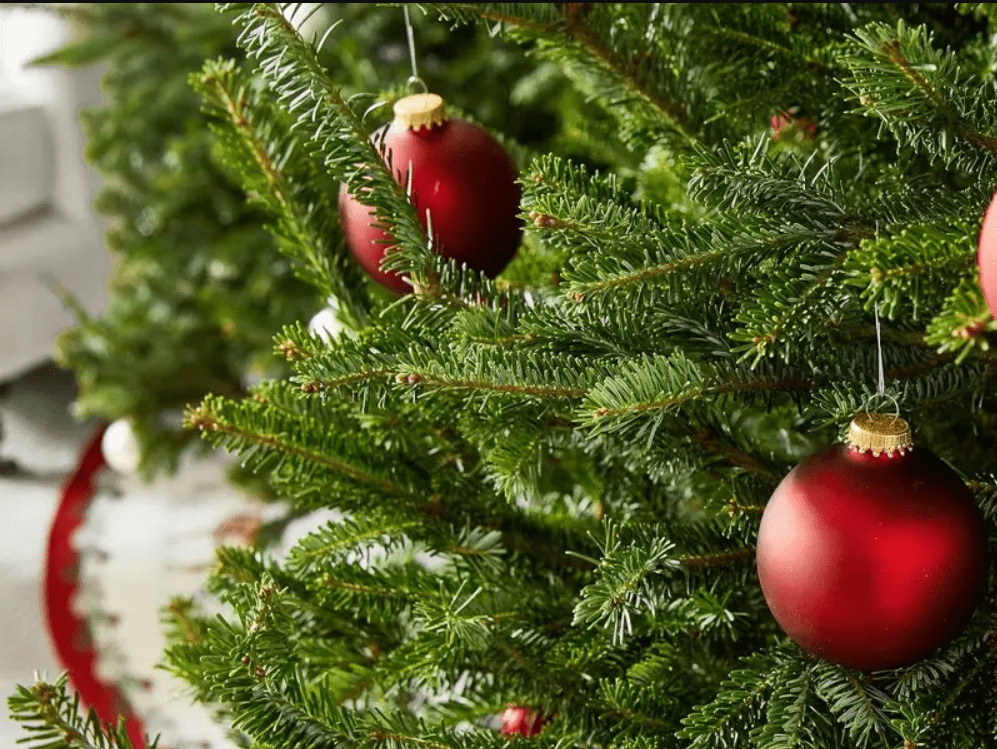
(460, 175)
(986, 256)
(524, 721)
(872, 554)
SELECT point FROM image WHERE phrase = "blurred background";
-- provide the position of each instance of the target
(48, 235)
(54, 267)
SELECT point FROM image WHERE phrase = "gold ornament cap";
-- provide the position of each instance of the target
(420, 110)
(880, 433)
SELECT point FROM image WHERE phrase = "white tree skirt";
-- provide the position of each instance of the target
(139, 549)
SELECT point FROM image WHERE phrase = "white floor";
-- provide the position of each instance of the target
(24, 649)
(40, 435)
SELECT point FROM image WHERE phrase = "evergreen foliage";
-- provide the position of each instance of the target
(552, 482)
(54, 717)
(199, 286)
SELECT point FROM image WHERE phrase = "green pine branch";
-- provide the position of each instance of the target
(860, 706)
(902, 271)
(646, 389)
(793, 718)
(639, 710)
(922, 96)
(311, 459)
(801, 301)
(750, 178)
(920, 387)
(365, 367)
(487, 373)
(290, 449)
(277, 170)
(54, 719)
(613, 67)
(336, 130)
(615, 327)
(626, 588)
(739, 707)
(617, 245)
(947, 718)
(960, 326)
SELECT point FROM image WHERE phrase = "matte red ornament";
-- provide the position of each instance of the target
(460, 175)
(986, 256)
(524, 721)
(872, 554)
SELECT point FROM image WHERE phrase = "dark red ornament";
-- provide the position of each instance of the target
(986, 256)
(524, 721)
(872, 554)
(786, 123)
(460, 175)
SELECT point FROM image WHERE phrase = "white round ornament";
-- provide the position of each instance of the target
(121, 447)
(325, 324)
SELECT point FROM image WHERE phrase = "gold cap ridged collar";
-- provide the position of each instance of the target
(880, 433)
(420, 110)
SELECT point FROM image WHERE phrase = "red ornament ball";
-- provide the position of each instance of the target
(460, 175)
(872, 554)
(524, 721)
(986, 256)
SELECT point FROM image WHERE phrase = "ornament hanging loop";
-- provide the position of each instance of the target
(881, 383)
(879, 352)
(873, 399)
(416, 85)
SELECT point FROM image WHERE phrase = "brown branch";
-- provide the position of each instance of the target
(395, 738)
(357, 588)
(788, 383)
(201, 418)
(653, 272)
(735, 508)
(537, 390)
(878, 276)
(734, 454)
(504, 340)
(719, 559)
(363, 376)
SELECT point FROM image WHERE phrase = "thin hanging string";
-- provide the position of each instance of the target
(414, 80)
(881, 385)
(881, 390)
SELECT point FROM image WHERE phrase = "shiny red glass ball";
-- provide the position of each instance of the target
(872, 561)
(986, 256)
(465, 179)
(523, 721)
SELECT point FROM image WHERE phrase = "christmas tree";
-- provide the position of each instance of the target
(586, 500)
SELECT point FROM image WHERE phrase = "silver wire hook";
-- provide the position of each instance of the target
(869, 401)
(414, 82)
(881, 389)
